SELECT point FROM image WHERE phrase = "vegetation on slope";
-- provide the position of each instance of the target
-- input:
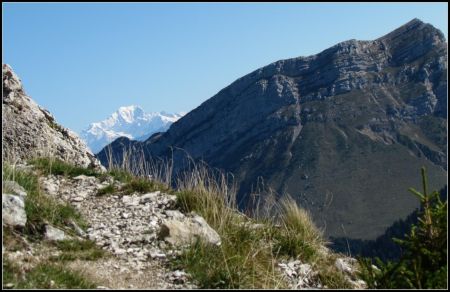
(40, 208)
(48, 272)
(250, 247)
(424, 261)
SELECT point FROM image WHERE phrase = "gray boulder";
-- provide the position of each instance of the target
(13, 211)
(180, 231)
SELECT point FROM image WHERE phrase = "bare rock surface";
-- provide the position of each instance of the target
(30, 131)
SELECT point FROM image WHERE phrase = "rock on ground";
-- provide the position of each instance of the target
(181, 230)
(13, 211)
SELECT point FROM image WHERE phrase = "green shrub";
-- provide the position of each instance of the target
(424, 261)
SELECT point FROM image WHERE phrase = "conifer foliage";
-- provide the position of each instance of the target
(423, 264)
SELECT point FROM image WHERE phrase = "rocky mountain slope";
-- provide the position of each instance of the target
(345, 131)
(28, 130)
(134, 237)
(128, 121)
(72, 224)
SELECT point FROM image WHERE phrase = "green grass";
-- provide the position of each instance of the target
(298, 236)
(143, 185)
(12, 241)
(134, 185)
(78, 249)
(119, 175)
(109, 189)
(41, 276)
(40, 208)
(58, 167)
(243, 260)
(247, 257)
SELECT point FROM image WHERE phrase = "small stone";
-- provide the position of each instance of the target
(304, 270)
(130, 201)
(283, 266)
(343, 265)
(157, 255)
(54, 234)
(293, 264)
(174, 214)
(9, 285)
(150, 197)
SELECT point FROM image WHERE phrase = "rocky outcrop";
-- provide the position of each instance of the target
(327, 129)
(30, 131)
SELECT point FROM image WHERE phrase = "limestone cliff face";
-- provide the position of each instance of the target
(30, 131)
(345, 131)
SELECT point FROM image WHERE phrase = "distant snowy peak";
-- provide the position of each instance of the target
(128, 121)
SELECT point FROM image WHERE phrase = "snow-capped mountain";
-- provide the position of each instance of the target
(128, 121)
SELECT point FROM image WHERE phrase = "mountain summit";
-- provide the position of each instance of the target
(344, 132)
(128, 121)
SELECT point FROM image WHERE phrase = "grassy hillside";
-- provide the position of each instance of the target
(247, 258)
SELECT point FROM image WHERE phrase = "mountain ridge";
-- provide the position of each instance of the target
(327, 129)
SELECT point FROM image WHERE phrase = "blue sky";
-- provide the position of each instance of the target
(82, 61)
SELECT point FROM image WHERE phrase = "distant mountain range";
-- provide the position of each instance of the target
(128, 121)
(345, 132)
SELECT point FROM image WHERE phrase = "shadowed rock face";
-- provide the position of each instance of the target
(29, 130)
(344, 132)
